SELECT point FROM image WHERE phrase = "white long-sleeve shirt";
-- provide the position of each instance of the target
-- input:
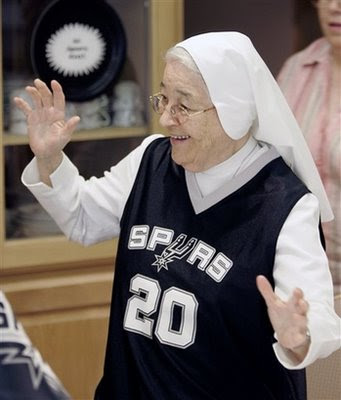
(89, 212)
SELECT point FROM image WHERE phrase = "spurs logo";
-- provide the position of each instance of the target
(177, 249)
(19, 357)
(205, 257)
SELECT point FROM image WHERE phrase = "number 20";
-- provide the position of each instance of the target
(141, 307)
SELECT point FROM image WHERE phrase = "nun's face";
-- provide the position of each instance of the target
(198, 141)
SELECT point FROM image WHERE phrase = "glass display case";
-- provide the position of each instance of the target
(114, 117)
(59, 290)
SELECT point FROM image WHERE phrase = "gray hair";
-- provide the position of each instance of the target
(177, 53)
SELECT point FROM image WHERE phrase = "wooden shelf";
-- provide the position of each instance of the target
(11, 139)
(53, 250)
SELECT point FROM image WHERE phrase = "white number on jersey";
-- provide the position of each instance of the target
(144, 303)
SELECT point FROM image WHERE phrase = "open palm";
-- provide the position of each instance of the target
(47, 129)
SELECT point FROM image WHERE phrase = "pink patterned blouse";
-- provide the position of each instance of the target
(305, 80)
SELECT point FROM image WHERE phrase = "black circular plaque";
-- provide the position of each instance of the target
(81, 44)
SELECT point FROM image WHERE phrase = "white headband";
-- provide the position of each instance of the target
(246, 95)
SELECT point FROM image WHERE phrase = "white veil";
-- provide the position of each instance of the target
(246, 95)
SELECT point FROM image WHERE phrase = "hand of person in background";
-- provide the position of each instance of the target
(288, 318)
(47, 129)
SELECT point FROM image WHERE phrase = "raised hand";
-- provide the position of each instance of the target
(288, 318)
(47, 129)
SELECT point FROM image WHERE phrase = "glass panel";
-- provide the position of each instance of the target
(24, 216)
(123, 104)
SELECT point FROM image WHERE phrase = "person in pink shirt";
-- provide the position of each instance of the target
(311, 82)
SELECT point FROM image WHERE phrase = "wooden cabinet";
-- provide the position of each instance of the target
(60, 290)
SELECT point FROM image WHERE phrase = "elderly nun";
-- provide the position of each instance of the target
(222, 288)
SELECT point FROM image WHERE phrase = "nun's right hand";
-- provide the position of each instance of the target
(46, 126)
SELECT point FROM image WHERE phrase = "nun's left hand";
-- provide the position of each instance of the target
(288, 318)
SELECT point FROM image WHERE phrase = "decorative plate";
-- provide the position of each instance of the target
(81, 44)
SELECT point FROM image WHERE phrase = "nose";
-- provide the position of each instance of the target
(334, 5)
(167, 120)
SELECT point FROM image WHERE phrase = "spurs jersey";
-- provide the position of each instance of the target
(187, 321)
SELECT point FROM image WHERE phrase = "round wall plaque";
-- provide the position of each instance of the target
(81, 44)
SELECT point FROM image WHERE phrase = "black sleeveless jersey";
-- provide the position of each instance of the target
(187, 321)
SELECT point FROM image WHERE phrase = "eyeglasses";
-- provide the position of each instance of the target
(179, 112)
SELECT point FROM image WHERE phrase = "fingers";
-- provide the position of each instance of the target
(303, 307)
(44, 93)
(58, 95)
(35, 96)
(22, 105)
(299, 305)
(301, 324)
(43, 97)
(40, 94)
(72, 123)
(296, 301)
(266, 290)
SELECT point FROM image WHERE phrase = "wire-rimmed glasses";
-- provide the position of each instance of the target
(178, 112)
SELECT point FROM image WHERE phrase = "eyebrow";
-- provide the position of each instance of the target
(182, 92)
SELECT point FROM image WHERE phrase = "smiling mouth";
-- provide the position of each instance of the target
(180, 137)
(334, 25)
